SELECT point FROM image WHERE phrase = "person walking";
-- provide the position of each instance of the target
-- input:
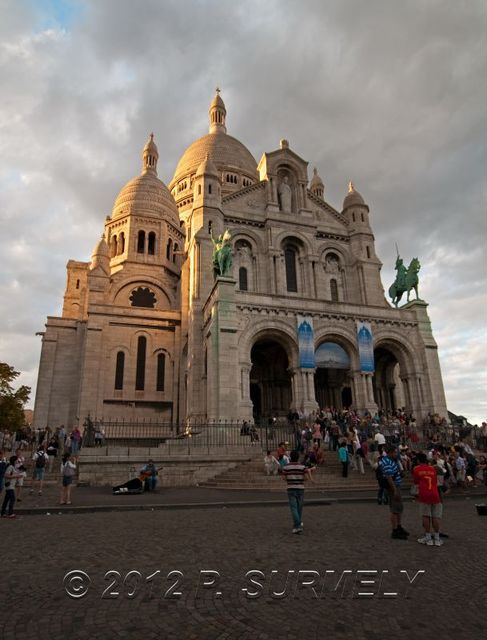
(68, 470)
(344, 458)
(11, 477)
(295, 474)
(40, 459)
(392, 475)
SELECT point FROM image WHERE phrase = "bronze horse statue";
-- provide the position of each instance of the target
(406, 280)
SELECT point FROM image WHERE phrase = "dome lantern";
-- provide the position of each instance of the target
(217, 113)
(316, 185)
(353, 197)
(150, 156)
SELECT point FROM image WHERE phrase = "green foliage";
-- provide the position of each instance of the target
(11, 402)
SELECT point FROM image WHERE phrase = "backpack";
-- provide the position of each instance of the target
(68, 470)
(381, 479)
(40, 460)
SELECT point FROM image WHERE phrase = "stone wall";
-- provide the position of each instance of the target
(177, 470)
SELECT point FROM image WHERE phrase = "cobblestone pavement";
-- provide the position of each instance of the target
(448, 600)
(102, 497)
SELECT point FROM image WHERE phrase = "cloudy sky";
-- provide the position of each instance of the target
(392, 94)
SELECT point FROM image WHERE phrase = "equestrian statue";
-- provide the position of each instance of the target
(222, 254)
(406, 280)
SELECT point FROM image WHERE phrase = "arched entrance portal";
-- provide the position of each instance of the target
(332, 377)
(389, 391)
(270, 380)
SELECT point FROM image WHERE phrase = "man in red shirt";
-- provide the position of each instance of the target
(431, 507)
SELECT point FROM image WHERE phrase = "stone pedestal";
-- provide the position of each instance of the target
(221, 326)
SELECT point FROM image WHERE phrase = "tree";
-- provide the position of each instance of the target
(11, 402)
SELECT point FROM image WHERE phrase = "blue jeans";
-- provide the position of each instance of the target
(296, 500)
(8, 502)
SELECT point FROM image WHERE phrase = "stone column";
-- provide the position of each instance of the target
(246, 406)
(308, 400)
(223, 347)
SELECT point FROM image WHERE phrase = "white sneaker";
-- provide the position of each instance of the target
(438, 543)
(297, 530)
(426, 540)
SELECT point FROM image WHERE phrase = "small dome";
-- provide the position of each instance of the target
(207, 168)
(101, 248)
(316, 181)
(101, 256)
(146, 194)
(217, 101)
(352, 198)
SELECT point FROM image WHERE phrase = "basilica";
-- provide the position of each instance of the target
(299, 319)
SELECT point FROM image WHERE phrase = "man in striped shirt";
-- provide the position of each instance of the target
(392, 482)
(295, 474)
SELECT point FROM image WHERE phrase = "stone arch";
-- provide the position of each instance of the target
(400, 346)
(333, 247)
(334, 386)
(394, 381)
(245, 260)
(270, 374)
(121, 292)
(250, 236)
(279, 331)
(135, 337)
(343, 337)
(295, 234)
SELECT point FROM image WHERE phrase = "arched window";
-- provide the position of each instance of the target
(174, 252)
(143, 297)
(140, 370)
(242, 279)
(161, 367)
(209, 188)
(169, 249)
(77, 284)
(368, 251)
(291, 275)
(113, 247)
(121, 243)
(353, 216)
(199, 189)
(151, 246)
(362, 217)
(119, 370)
(334, 290)
(141, 242)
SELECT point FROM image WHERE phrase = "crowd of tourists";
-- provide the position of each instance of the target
(360, 441)
(34, 453)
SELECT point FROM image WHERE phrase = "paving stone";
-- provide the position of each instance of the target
(233, 541)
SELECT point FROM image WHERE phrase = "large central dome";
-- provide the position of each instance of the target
(236, 165)
(224, 150)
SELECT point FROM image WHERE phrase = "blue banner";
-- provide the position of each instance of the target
(365, 347)
(306, 342)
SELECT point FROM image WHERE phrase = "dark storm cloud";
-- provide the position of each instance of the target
(390, 94)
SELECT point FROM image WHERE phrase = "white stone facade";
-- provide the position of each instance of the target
(147, 331)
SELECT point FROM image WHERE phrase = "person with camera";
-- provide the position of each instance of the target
(11, 477)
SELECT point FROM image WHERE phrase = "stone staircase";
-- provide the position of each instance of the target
(251, 475)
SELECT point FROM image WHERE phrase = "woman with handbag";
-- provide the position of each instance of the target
(68, 471)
